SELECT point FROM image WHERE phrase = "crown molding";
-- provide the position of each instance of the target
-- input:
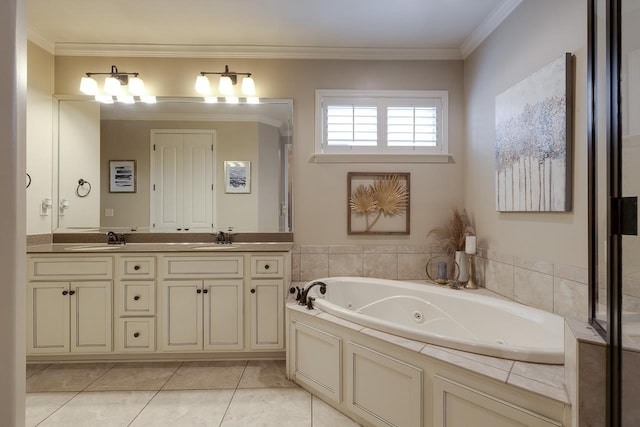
(488, 26)
(40, 40)
(252, 52)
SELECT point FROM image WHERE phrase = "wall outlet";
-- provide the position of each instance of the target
(108, 212)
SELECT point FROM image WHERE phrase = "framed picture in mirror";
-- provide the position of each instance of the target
(122, 176)
(237, 176)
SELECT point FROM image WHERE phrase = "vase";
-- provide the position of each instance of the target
(462, 266)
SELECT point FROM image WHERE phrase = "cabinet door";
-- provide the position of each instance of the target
(223, 314)
(267, 314)
(91, 317)
(182, 315)
(48, 317)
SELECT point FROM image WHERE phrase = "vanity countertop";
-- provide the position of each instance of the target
(204, 247)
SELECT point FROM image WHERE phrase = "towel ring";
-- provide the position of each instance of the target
(29, 180)
(81, 185)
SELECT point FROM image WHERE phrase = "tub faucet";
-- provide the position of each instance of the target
(305, 299)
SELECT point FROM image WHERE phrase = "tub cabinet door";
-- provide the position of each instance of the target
(368, 372)
(458, 405)
(316, 357)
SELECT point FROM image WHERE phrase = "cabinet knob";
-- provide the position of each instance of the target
(205, 291)
(136, 298)
(253, 291)
(72, 292)
(266, 266)
(199, 291)
(136, 334)
(136, 267)
(65, 292)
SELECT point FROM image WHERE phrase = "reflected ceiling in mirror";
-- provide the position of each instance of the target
(174, 155)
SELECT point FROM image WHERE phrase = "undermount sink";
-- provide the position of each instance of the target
(92, 248)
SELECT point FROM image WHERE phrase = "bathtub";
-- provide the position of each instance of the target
(458, 319)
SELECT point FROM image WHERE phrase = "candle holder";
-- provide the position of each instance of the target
(443, 277)
(471, 284)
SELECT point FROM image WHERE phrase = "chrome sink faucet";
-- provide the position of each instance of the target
(225, 238)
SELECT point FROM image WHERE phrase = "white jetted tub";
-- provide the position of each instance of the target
(458, 319)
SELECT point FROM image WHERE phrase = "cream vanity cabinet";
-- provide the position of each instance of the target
(267, 302)
(202, 303)
(69, 304)
(135, 303)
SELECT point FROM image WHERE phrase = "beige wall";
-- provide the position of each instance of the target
(320, 189)
(39, 137)
(13, 95)
(535, 34)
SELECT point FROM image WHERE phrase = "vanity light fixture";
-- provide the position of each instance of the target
(113, 87)
(225, 85)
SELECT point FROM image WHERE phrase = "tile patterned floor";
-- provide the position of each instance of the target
(185, 394)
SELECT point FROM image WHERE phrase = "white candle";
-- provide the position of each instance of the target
(470, 244)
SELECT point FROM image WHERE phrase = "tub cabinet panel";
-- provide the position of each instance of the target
(316, 357)
(458, 405)
(369, 372)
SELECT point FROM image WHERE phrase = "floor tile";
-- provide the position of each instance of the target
(206, 375)
(95, 409)
(40, 405)
(66, 377)
(135, 376)
(269, 407)
(265, 373)
(35, 368)
(325, 415)
(191, 408)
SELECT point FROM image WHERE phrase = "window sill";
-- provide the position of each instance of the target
(381, 158)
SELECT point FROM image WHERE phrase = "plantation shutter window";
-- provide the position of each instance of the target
(352, 125)
(381, 122)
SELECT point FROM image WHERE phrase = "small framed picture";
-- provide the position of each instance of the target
(122, 176)
(237, 176)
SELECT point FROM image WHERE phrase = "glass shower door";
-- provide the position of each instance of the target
(630, 186)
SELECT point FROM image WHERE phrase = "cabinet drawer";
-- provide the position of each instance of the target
(137, 267)
(194, 267)
(267, 266)
(136, 335)
(136, 298)
(64, 268)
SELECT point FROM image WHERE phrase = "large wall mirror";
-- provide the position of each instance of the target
(180, 165)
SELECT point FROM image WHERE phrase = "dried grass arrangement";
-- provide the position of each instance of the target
(386, 196)
(451, 237)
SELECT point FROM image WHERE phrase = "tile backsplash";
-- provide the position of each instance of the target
(558, 288)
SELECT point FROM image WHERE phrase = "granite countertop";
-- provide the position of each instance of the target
(194, 248)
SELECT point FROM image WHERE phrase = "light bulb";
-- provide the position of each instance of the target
(89, 86)
(136, 86)
(253, 100)
(112, 86)
(148, 99)
(248, 86)
(226, 85)
(202, 85)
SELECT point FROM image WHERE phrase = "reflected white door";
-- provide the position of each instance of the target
(182, 170)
